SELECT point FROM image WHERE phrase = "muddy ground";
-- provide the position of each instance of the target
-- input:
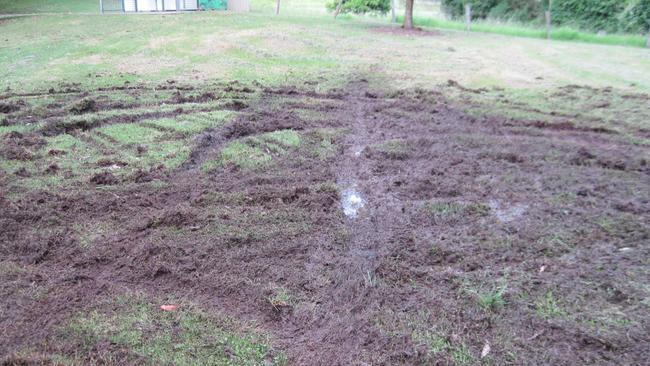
(480, 240)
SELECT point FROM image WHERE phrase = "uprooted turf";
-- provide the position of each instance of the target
(486, 237)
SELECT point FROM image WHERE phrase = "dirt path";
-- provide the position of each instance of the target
(372, 218)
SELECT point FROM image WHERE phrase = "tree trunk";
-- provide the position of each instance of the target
(408, 16)
(277, 8)
(338, 9)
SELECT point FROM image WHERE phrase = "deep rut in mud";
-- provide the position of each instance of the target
(464, 232)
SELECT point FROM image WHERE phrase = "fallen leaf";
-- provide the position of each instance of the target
(486, 350)
(168, 307)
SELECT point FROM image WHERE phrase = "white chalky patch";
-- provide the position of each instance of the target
(352, 202)
(507, 214)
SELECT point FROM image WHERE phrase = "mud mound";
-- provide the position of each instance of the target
(104, 178)
(84, 106)
(179, 216)
(11, 107)
(14, 152)
(262, 123)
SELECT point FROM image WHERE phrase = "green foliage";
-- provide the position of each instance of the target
(360, 6)
(589, 14)
(548, 307)
(597, 15)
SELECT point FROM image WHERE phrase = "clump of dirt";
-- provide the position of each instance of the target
(14, 152)
(11, 107)
(22, 172)
(85, 105)
(141, 149)
(178, 98)
(262, 123)
(52, 169)
(236, 105)
(179, 216)
(104, 178)
(108, 163)
(56, 152)
(583, 157)
(455, 84)
(29, 140)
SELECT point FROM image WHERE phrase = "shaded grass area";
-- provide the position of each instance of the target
(521, 30)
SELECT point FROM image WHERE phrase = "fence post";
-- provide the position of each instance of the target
(277, 8)
(468, 17)
(547, 15)
(393, 17)
(101, 6)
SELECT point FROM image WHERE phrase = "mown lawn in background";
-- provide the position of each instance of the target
(41, 52)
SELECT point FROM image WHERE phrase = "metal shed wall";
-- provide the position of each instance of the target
(160, 5)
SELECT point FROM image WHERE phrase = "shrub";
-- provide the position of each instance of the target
(360, 6)
(595, 15)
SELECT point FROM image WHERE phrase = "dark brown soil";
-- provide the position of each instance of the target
(399, 31)
(104, 178)
(557, 216)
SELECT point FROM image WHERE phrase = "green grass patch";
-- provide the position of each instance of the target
(255, 152)
(521, 30)
(445, 211)
(193, 123)
(548, 306)
(393, 149)
(435, 342)
(130, 133)
(188, 336)
(240, 154)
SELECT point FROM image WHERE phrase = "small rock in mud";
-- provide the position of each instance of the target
(83, 106)
(104, 178)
